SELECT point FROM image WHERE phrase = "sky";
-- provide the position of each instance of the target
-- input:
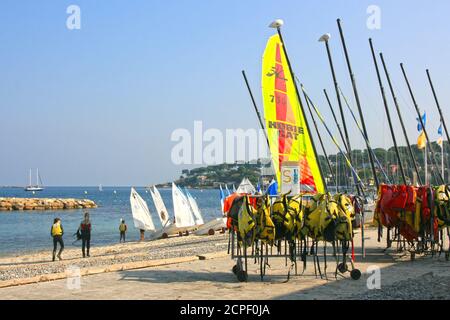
(98, 105)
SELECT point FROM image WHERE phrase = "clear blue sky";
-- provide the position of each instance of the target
(98, 105)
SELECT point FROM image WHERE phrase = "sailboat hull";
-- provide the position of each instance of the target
(215, 224)
(33, 189)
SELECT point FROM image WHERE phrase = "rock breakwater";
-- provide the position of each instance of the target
(28, 204)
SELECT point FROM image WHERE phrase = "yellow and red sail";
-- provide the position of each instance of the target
(289, 137)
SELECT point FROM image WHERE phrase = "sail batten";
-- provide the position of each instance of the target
(287, 130)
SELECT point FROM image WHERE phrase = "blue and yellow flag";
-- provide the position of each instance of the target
(422, 139)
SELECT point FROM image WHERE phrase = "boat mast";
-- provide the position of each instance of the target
(277, 24)
(320, 140)
(397, 107)
(325, 38)
(428, 143)
(442, 121)
(438, 106)
(256, 107)
(358, 103)
(388, 114)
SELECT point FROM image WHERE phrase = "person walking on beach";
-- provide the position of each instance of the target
(85, 231)
(57, 232)
(123, 229)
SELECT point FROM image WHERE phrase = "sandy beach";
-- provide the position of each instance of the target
(175, 271)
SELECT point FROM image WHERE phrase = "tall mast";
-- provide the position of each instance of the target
(277, 24)
(335, 119)
(388, 114)
(325, 38)
(438, 106)
(256, 107)
(320, 140)
(433, 159)
(358, 103)
(397, 107)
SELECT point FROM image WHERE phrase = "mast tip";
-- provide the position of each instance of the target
(276, 23)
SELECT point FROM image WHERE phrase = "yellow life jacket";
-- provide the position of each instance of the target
(346, 214)
(265, 226)
(246, 223)
(314, 217)
(283, 218)
(296, 211)
(56, 229)
(442, 207)
(122, 227)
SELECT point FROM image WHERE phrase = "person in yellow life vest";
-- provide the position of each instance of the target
(123, 229)
(57, 232)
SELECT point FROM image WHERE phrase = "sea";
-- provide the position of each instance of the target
(29, 231)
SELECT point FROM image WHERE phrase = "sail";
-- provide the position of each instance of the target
(182, 209)
(289, 137)
(246, 187)
(140, 212)
(195, 209)
(160, 207)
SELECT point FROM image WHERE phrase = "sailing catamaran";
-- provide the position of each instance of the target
(38, 186)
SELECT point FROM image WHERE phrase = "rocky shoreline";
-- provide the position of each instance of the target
(28, 204)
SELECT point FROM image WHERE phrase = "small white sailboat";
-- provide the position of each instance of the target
(141, 213)
(194, 208)
(100, 188)
(160, 207)
(208, 228)
(182, 210)
(38, 186)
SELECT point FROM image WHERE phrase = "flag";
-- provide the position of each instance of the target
(222, 197)
(424, 120)
(440, 140)
(421, 141)
(226, 188)
(272, 189)
(258, 188)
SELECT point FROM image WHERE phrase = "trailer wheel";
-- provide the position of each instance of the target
(235, 269)
(342, 267)
(211, 232)
(355, 274)
(242, 276)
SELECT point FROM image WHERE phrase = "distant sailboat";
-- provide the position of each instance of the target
(38, 186)
(141, 213)
(100, 188)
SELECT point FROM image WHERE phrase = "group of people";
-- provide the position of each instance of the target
(83, 233)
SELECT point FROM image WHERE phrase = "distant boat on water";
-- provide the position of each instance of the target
(38, 186)
(100, 188)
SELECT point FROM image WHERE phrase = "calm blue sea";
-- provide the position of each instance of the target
(28, 231)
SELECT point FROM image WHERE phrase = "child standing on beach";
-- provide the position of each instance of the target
(123, 229)
(85, 231)
(57, 232)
